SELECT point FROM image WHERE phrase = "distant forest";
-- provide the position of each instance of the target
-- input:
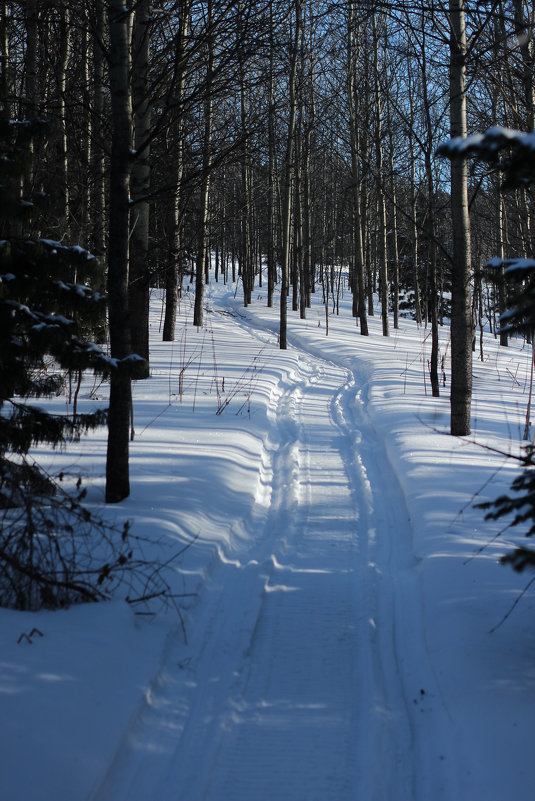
(289, 143)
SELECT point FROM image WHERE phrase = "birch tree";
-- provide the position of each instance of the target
(461, 314)
(202, 231)
(288, 170)
(175, 232)
(382, 250)
(359, 287)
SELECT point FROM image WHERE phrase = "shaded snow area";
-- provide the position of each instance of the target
(343, 603)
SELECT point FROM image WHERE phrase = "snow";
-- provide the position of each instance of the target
(52, 243)
(82, 252)
(512, 265)
(491, 142)
(344, 607)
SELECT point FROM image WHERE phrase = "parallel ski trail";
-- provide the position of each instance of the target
(291, 687)
(289, 728)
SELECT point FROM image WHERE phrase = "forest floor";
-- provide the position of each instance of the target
(343, 627)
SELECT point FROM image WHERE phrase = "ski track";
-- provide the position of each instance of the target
(306, 677)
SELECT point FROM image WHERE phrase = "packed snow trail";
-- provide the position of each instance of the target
(289, 726)
(291, 687)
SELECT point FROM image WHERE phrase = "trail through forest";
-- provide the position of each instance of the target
(306, 667)
(350, 633)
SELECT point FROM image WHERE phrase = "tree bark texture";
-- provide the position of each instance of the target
(382, 249)
(117, 469)
(5, 105)
(359, 278)
(139, 283)
(288, 171)
(30, 109)
(202, 233)
(461, 315)
(175, 247)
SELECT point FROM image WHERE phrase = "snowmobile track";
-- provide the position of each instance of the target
(292, 686)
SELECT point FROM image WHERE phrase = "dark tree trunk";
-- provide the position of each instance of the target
(97, 236)
(173, 272)
(117, 471)
(139, 284)
(5, 107)
(202, 234)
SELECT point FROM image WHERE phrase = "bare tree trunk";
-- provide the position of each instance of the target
(381, 206)
(359, 287)
(175, 249)
(432, 288)
(117, 469)
(430, 225)
(96, 222)
(500, 252)
(62, 186)
(30, 58)
(525, 28)
(5, 106)
(288, 170)
(139, 284)
(246, 244)
(298, 235)
(525, 34)
(394, 227)
(98, 185)
(499, 203)
(85, 216)
(415, 233)
(307, 123)
(461, 317)
(202, 238)
(30, 108)
(272, 202)
(308, 256)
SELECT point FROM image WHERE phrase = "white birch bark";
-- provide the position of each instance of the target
(461, 317)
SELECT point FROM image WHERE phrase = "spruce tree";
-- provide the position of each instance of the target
(47, 536)
(44, 314)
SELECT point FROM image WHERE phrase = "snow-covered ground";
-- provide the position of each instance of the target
(343, 602)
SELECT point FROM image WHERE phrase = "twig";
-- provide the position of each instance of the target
(513, 606)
